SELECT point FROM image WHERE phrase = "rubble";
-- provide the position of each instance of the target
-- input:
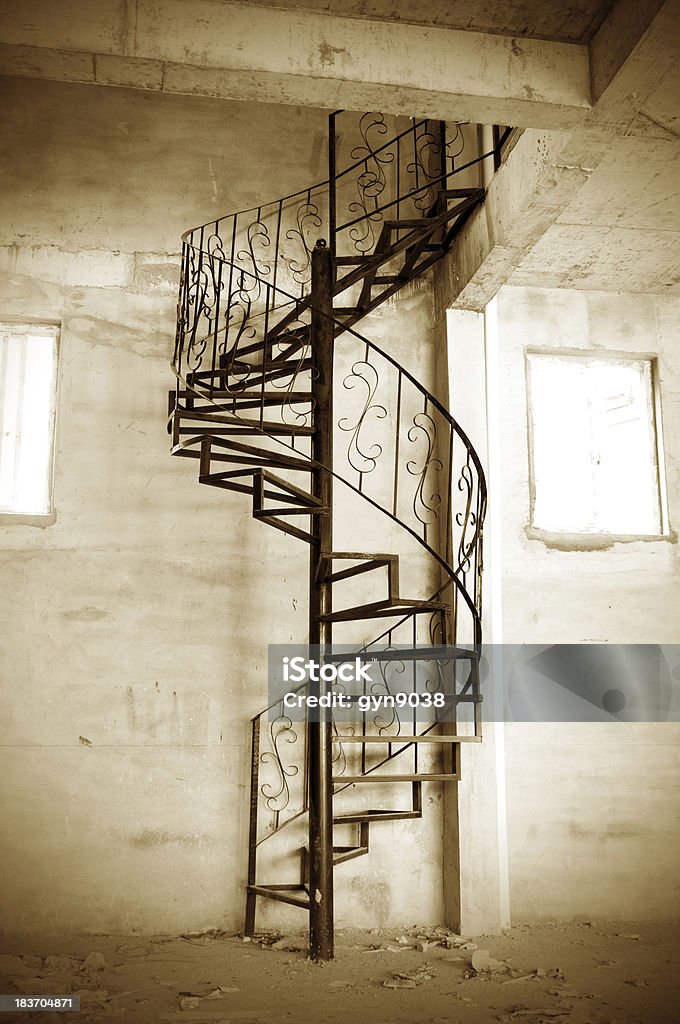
(204, 935)
(94, 962)
(398, 982)
(209, 1016)
(291, 944)
(482, 961)
(261, 938)
(539, 974)
(409, 980)
(533, 1016)
(189, 1003)
(14, 966)
(133, 949)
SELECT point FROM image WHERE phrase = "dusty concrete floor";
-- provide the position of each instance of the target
(588, 973)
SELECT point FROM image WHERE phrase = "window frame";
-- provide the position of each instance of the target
(52, 328)
(583, 539)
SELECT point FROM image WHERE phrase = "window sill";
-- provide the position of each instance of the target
(594, 541)
(21, 519)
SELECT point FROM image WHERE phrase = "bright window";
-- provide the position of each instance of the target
(594, 448)
(28, 382)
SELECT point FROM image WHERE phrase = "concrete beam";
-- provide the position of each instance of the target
(635, 60)
(526, 196)
(636, 79)
(237, 51)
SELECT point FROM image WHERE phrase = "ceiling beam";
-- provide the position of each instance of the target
(636, 79)
(240, 51)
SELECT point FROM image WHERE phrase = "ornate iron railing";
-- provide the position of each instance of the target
(243, 362)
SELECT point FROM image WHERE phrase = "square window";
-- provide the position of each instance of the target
(593, 445)
(28, 385)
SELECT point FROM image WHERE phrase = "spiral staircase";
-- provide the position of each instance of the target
(279, 397)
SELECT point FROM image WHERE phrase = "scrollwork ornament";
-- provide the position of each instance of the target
(466, 519)
(363, 459)
(307, 222)
(425, 502)
(381, 688)
(277, 794)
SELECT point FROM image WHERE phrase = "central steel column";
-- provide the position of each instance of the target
(319, 747)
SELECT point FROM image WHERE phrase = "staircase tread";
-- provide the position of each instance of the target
(381, 609)
(283, 893)
(423, 653)
(407, 777)
(374, 815)
(360, 555)
(439, 738)
(292, 510)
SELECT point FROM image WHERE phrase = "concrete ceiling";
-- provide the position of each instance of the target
(621, 232)
(603, 212)
(597, 208)
(575, 21)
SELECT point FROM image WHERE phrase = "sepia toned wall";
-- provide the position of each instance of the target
(135, 629)
(593, 808)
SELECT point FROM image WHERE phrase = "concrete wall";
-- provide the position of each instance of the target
(593, 809)
(133, 647)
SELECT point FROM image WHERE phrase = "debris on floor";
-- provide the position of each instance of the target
(420, 975)
(95, 962)
(204, 935)
(261, 938)
(291, 944)
(398, 982)
(482, 962)
(409, 980)
(532, 1016)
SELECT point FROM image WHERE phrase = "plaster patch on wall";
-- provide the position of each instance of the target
(613, 831)
(327, 53)
(150, 838)
(376, 894)
(85, 614)
(592, 541)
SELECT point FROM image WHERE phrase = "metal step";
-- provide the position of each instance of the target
(339, 780)
(345, 853)
(434, 653)
(224, 450)
(342, 853)
(282, 893)
(381, 609)
(229, 426)
(394, 740)
(366, 563)
(374, 815)
(285, 491)
(240, 397)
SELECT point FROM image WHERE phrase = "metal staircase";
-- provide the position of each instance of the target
(278, 397)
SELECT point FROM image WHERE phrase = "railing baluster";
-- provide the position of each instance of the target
(251, 899)
(332, 186)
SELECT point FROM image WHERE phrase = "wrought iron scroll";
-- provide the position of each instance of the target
(426, 503)
(362, 459)
(276, 794)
